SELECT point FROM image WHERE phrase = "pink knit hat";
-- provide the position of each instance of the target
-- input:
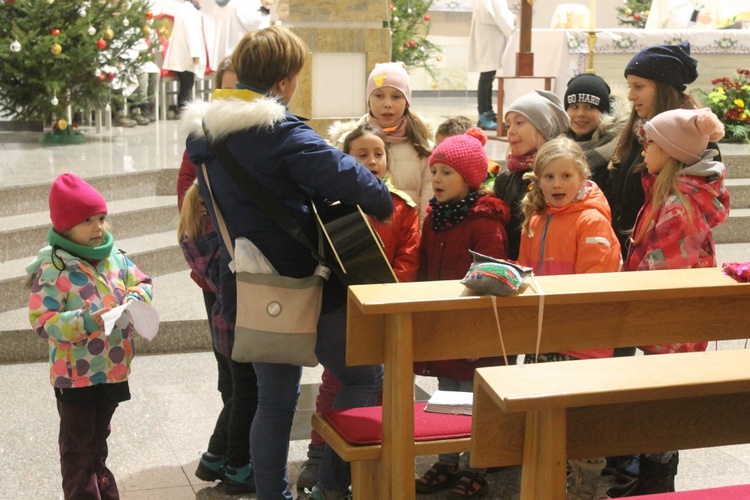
(72, 200)
(465, 154)
(391, 74)
(684, 133)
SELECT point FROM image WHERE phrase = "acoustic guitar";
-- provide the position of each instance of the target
(354, 244)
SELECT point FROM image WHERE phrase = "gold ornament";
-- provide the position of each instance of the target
(628, 12)
(62, 124)
(146, 31)
(439, 57)
(109, 33)
(56, 49)
(434, 84)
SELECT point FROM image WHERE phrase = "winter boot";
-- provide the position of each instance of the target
(486, 122)
(627, 471)
(308, 478)
(139, 118)
(584, 477)
(121, 120)
(654, 477)
(149, 111)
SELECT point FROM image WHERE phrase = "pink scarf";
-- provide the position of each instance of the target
(394, 134)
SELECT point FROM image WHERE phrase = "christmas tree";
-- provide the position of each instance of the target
(633, 13)
(410, 25)
(55, 53)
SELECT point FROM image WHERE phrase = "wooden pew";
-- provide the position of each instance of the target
(541, 415)
(397, 324)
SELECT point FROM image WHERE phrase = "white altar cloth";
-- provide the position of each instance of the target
(563, 54)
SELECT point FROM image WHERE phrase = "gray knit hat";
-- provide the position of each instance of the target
(544, 110)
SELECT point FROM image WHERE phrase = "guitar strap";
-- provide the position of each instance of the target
(265, 201)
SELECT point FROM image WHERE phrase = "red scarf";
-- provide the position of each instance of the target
(516, 163)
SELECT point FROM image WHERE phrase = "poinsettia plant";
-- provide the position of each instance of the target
(730, 101)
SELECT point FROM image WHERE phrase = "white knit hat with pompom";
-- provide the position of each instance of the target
(684, 134)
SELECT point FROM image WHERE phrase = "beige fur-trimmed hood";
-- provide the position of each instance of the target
(238, 110)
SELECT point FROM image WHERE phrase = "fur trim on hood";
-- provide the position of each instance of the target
(226, 116)
(338, 130)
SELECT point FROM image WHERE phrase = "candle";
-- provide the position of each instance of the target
(592, 14)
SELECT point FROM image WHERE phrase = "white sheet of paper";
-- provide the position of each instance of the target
(145, 319)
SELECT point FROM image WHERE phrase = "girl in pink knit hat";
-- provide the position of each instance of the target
(685, 199)
(463, 216)
(77, 277)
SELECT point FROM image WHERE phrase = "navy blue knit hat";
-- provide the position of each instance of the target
(670, 64)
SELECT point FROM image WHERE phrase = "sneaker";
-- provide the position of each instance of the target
(308, 478)
(211, 467)
(123, 121)
(318, 494)
(486, 122)
(239, 480)
(584, 478)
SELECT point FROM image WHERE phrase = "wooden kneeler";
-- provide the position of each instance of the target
(355, 435)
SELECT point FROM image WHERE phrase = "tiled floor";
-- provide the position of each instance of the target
(158, 436)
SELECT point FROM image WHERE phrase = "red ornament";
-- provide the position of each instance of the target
(149, 15)
(393, 7)
(412, 44)
(111, 76)
(636, 16)
(10, 1)
(426, 17)
(55, 32)
(102, 77)
(101, 44)
(406, 45)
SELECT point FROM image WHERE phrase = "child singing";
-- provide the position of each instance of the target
(685, 199)
(462, 216)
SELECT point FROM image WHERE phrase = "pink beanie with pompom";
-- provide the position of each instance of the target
(465, 154)
(684, 134)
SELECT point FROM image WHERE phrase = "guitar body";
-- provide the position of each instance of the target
(354, 245)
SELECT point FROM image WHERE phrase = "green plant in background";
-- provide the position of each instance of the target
(410, 24)
(633, 13)
(55, 53)
(729, 100)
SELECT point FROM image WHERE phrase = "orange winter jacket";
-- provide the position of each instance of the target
(574, 239)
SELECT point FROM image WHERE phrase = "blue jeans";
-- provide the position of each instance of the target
(278, 390)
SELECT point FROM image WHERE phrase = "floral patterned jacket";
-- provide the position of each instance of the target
(61, 286)
(679, 235)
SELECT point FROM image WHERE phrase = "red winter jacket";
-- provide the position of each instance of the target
(444, 255)
(400, 237)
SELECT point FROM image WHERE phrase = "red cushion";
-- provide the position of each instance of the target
(364, 425)
(741, 492)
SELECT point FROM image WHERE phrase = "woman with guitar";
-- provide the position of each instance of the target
(251, 125)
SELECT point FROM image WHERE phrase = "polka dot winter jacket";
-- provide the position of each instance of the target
(61, 285)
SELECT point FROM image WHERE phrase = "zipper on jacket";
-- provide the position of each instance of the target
(541, 247)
